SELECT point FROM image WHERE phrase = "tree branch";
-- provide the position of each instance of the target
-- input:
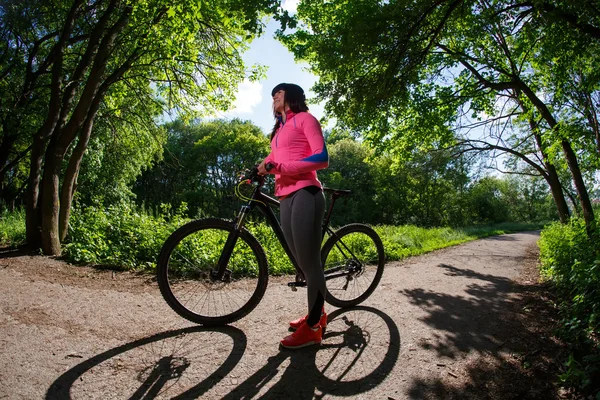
(485, 146)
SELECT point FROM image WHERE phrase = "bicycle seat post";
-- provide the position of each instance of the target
(334, 197)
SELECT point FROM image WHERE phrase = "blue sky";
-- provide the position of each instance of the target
(253, 101)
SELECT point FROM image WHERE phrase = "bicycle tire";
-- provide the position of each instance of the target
(352, 288)
(191, 253)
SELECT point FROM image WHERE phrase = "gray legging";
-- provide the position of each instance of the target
(301, 217)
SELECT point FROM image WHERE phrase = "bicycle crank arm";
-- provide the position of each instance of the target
(295, 285)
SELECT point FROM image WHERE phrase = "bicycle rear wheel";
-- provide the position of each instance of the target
(353, 261)
(187, 263)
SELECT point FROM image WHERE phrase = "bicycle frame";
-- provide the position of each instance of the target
(265, 204)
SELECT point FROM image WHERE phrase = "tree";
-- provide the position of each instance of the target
(425, 190)
(69, 59)
(350, 169)
(487, 202)
(411, 73)
(117, 153)
(201, 164)
(21, 110)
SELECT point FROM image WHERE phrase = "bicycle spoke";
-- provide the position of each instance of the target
(353, 264)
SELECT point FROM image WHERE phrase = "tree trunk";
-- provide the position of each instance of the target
(50, 207)
(520, 88)
(557, 194)
(584, 199)
(551, 176)
(50, 202)
(92, 93)
(32, 213)
(70, 179)
(552, 179)
(573, 199)
(34, 225)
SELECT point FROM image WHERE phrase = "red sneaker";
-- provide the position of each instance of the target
(298, 322)
(304, 336)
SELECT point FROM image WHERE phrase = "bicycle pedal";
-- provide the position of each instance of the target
(294, 285)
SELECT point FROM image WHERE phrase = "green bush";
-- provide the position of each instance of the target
(126, 237)
(120, 236)
(12, 228)
(570, 259)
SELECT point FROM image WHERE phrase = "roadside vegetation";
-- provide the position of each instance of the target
(12, 228)
(570, 261)
(128, 239)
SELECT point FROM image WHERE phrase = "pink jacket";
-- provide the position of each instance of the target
(297, 151)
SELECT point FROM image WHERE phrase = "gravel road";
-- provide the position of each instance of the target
(443, 325)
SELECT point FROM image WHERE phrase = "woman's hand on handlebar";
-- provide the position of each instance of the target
(264, 169)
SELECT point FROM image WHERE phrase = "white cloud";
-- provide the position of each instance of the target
(248, 96)
(290, 5)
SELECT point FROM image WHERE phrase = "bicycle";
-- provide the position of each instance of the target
(214, 260)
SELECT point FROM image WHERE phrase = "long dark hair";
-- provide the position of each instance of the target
(295, 99)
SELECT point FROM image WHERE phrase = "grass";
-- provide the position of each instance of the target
(12, 228)
(407, 240)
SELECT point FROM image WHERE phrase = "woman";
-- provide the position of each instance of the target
(297, 152)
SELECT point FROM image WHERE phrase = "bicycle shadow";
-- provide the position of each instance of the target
(158, 362)
(360, 349)
(348, 362)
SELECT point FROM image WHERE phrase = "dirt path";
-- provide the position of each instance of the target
(465, 322)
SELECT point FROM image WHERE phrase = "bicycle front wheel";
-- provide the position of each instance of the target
(353, 260)
(187, 272)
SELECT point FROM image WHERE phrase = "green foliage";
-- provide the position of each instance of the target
(126, 238)
(386, 190)
(109, 69)
(197, 254)
(429, 189)
(487, 201)
(120, 236)
(12, 228)
(349, 168)
(435, 185)
(412, 76)
(202, 161)
(570, 259)
(201, 164)
(115, 159)
(405, 241)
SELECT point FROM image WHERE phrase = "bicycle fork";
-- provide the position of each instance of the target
(222, 273)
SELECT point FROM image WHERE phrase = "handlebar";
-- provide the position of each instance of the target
(253, 176)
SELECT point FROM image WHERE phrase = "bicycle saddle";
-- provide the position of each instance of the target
(337, 192)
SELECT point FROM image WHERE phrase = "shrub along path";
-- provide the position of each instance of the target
(469, 321)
